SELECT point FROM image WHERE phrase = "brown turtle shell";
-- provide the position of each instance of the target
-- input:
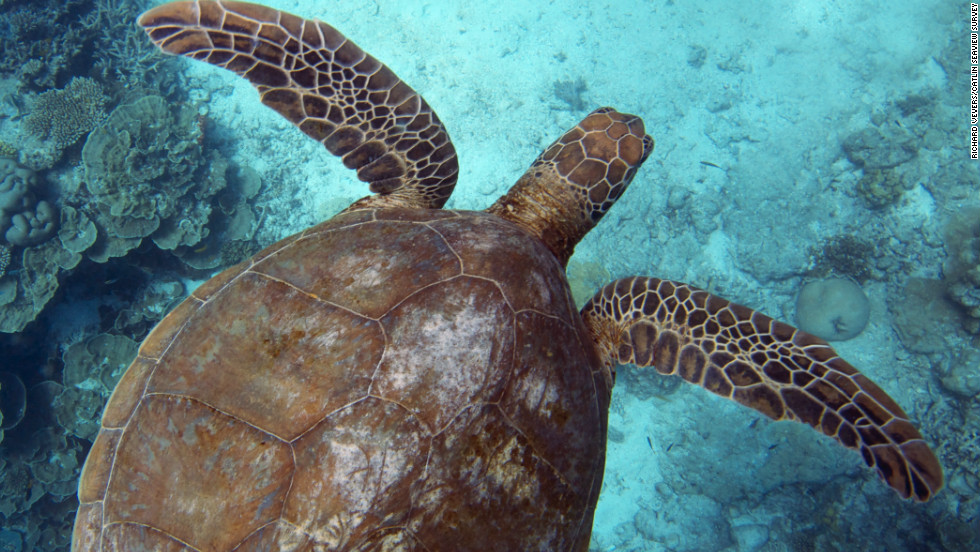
(393, 379)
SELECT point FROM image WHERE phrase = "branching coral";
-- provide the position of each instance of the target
(843, 255)
(66, 115)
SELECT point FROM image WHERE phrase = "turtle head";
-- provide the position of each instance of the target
(577, 179)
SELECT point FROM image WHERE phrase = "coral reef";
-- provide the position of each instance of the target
(24, 221)
(66, 115)
(4, 259)
(6, 150)
(23, 296)
(843, 255)
(40, 469)
(924, 316)
(41, 32)
(10, 541)
(128, 58)
(65, 65)
(29, 278)
(13, 400)
(152, 302)
(77, 232)
(149, 176)
(33, 226)
(92, 369)
(47, 41)
(880, 188)
(871, 148)
(962, 267)
(39, 462)
(834, 309)
(15, 184)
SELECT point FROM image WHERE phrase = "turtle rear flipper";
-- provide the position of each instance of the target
(324, 84)
(762, 363)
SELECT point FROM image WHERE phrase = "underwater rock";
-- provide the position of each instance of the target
(924, 317)
(962, 267)
(871, 149)
(834, 309)
(585, 278)
(750, 537)
(13, 401)
(647, 384)
(963, 380)
(679, 531)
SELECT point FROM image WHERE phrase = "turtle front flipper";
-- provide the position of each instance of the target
(762, 363)
(328, 87)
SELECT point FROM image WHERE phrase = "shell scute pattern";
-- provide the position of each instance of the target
(404, 378)
(493, 460)
(474, 237)
(281, 361)
(427, 369)
(536, 395)
(353, 405)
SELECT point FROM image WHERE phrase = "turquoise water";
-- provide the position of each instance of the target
(795, 141)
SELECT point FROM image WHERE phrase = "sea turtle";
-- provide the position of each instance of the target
(403, 377)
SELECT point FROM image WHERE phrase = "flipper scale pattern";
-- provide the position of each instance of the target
(764, 364)
(309, 73)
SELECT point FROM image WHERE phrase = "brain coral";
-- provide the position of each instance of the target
(23, 220)
(834, 309)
